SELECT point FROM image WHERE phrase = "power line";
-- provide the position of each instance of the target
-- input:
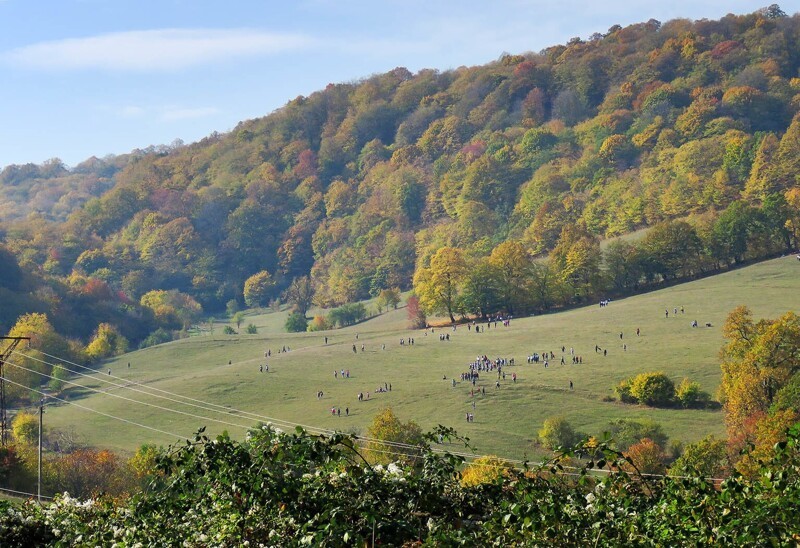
(96, 411)
(397, 445)
(208, 406)
(32, 495)
(160, 407)
(6, 352)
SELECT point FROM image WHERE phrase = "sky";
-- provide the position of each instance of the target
(82, 78)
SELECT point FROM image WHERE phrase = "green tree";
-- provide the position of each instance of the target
(296, 323)
(232, 307)
(546, 286)
(707, 457)
(388, 298)
(301, 294)
(347, 314)
(623, 263)
(731, 231)
(556, 433)
(59, 374)
(238, 318)
(577, 258)
(671, 249)
(513, 266)
(627, 432)
(480, 292)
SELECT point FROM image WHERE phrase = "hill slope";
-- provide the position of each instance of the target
(506, 419)
(686, 131)
(356, 182)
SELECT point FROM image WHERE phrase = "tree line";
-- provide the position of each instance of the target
(511, 280)
(688, 129)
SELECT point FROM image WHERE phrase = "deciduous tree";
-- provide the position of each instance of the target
(258, 288)
(386, 426)
(439, 284)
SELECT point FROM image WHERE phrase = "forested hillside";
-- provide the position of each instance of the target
(53, 191)
(688, 127)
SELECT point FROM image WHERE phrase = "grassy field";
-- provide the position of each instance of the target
(224, 370)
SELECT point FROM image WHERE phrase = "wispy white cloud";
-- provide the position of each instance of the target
(171, 114)
(153, 50)
(131, 111)
(159, 113)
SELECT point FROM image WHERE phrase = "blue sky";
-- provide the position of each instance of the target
(96, 77)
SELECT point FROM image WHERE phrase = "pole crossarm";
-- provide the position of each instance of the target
(3, 357)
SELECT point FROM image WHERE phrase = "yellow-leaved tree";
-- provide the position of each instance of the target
(484, 469)
(760, 362)
(25, 427)
(258, 288)
(402, 439)
(28, 365)
(107, 342)
(439, 284)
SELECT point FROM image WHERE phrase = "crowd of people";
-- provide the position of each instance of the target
(478, 369)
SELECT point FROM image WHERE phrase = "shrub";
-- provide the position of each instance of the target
(159, 336)
(707, 457)
(416, 315)
(623, 391)
(557, 432)
(228, 330)
(486, 469)
(296, 323)
(689, 395)
(59, 375)
(251, 329)
(627, 432)
(319, 323)
(654, 389)
(647, 456)
(347, 314)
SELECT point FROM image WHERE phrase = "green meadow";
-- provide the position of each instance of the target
(224, 370)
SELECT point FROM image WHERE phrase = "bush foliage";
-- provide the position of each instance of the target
(299, 489)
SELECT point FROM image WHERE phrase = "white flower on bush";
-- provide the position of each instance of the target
(394, 469)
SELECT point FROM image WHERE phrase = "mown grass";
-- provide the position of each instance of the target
(506, 419)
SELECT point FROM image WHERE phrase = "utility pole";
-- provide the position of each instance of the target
(39, 477)
(3, 357)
